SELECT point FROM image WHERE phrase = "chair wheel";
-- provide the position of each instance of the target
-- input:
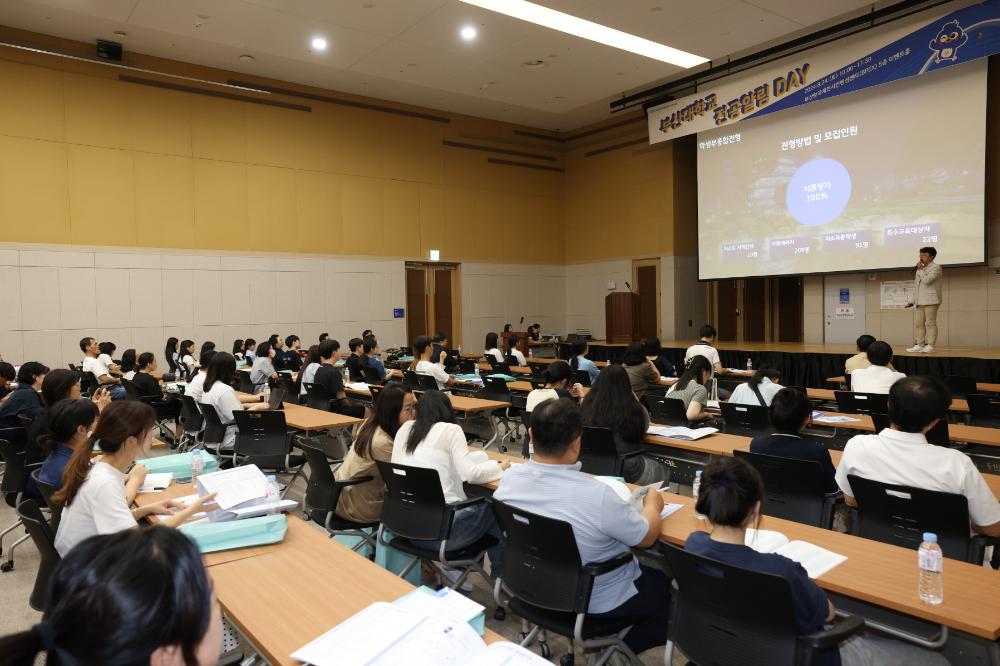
(566, 660)
(500, 614)
(543, 647)
(7, 566)
(522, 635)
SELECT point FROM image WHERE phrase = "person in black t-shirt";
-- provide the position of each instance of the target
(7, 375)
(332, 379)
(292, 360)
(440, 341)
(354, 361)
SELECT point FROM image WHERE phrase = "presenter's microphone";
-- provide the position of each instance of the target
(522, 319)
(628, 286)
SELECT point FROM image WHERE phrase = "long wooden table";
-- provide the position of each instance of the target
(957, 432)
(957, 404)
(308, 419)
(985, 387)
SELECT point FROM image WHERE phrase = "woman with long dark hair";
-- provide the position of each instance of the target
(641, 372)
(579, 361)
(127, 366)
(435, 441)
(185, 358)
(170, 355)
(611, 404)
(124, 599)
(363, 503)
(70, 423)
(218, 392)
(97, 493)
(691, 388)
(558, 384)
(492, 345)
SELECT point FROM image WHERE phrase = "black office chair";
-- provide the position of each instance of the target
(47, 491)
(537, 383)
(544, 582)
(263, 440)
(850, 402)
(411, 379)
(983, 410)
(44, 538)
(938, 435)
(468, 366)
(214, 433)
(244, 383)
(318, 397)
(599, 455)
(581, 377)
(847, 381)
(323, 494)
(497, 366)
(495, 388)
(12, 485)
(512, 361)
(192, 421)
(793, 489)
(286, 382)
(960, 385)
(376, 391)
(724, 614)
(666, 410)
(900, 515)
(426, 383)
(371, 376)
(414, 509)
(746, 420)
(131, 392)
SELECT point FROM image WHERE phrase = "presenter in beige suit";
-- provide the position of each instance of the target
(926, 300)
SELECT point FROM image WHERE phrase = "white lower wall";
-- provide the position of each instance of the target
(586, 288)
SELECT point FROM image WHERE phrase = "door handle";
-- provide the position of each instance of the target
(737, 312)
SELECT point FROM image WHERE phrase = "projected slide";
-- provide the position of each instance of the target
(859, 182)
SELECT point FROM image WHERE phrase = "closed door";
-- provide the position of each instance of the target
(844, 307)
(416, 303)
(727, 310)
(430, 305)
(753, 313)
(646, 278)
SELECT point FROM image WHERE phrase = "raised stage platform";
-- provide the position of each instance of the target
(810, 364)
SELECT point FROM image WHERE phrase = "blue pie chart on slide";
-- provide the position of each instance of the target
(818, 192)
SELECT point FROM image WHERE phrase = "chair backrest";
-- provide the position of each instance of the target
(467, 366)
(960, 385)
(666, 410)
(286, 382)
(376, 391)
(215, 429)
(318, 396)
(541, 561)
(537, 383)
(44, 539)
(537, 370)
(800, 389)
(850, 402)
(371, 375)
(900, 515)
(131, 392)
(745, 419)
(495, 388)
(15, 475)
(938, 435)
(982, 410)
(847, 381)
(427, 383)
(793, 489)
(322, 493)
(725, 614)
(191, 415)
(598, 453)
(414, 506)
(244, 383)
(581, 377)
(48, 490)
(262, 437)
(411, 379)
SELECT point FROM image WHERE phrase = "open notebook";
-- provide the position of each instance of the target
(815, 560)
(680, 432)
(385, 634)
(635, 497)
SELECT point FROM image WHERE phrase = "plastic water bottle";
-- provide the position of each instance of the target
(930, 561)
(266, 392)
(197, 465)
(273, 494)
(749, 365)
(695, 488)
(529, 352)
(347, 375)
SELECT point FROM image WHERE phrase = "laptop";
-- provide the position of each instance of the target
(274, 401)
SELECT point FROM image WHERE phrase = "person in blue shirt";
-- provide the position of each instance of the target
(578, 360)
(70, 425)
(730, 497)
(25, 399)
(371, 354)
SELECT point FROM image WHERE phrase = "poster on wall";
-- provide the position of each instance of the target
(896, 294)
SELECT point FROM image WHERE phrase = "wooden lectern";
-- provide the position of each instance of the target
(522, 342)
(621, 316)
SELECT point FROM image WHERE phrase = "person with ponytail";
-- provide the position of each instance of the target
(96, 494)
(578, 360)
(70, 423)
(558, 384)
(692, 389)
(124, 599)
(760, 390)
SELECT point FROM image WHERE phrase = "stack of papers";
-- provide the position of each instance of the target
(445, 601)
(237, 514)
(358, 386)
(387, 634)
(815, 560)
(680, 432)
(821, 417)
(156, 482)
(635, 497)
(235, 488)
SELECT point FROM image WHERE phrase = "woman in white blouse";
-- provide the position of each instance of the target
(492, 347)
(308, 374)
(185, 358)
(218, 392)
(96, 494)
(433, 440)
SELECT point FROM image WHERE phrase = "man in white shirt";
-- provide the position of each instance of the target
(706, 347)
(900, 455)
(423, 349)
(604, 525)
(878, 377)
(926, 301)
(94, 365)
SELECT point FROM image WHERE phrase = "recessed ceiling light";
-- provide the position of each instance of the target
(319, 43)
(368, 5)
(573, 25)
(120, 33)
(533, 64)
(246, 57)
(468, 33)
(204, 17)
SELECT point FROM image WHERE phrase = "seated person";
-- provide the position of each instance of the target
(641, 371)
(167, 406)
(433, 440)
(278, 347)
(706, 348)
(196, 385)
(493, 347)
(219, 393)
(308, 374)
(93, 365)
(878, 377)
(127, 368)
(440, 341)
(790, 412)
(292, 359)
(70, 423)
(654, 352)
(579, 361)
(423, 364)
(249, 350)
(535, 332)
(730, 497)
(901, 455)
(760, 390)
(691, 389)
(155, 574)
(332, 379)
(558, 384)
(354, 362)
(25, 399)
(58, 385)
(263, 371)
(7, 375)
(519, 359)
(860, 360)
(98, 492)
(107, 350)
(551, 485)
(186, 363)
(238, 350)
(371, 358)
(363, 503)
(611, 404)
